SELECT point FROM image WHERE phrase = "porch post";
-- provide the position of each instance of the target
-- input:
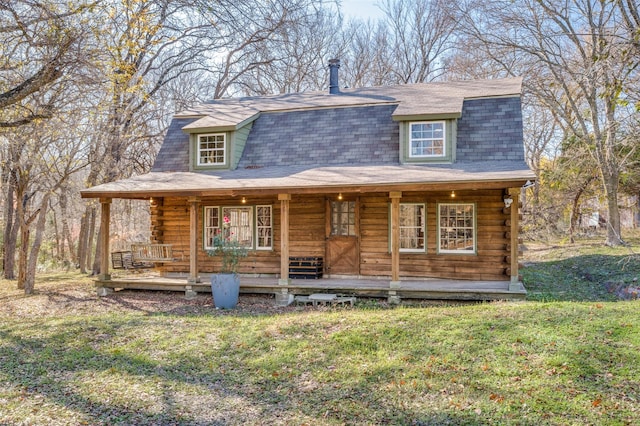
(514, 285)
(395, 246)
(194, 204)
(105, 219)
(282, 297)
(284, 238)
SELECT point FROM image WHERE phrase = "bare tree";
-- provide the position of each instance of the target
(294, 58)
(575, 57)
(44, 156)
(368, 59)
(267, 47)
(39, 42)
(422, 33)
(144, 46)
(41, 47)
(540, 135)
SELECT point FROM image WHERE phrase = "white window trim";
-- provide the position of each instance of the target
(257, 236)
(445, 142)
(475, 231)
(199, 151)
(424, 230)
(253, 222)
(205, 227)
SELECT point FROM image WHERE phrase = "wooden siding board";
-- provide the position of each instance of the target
(307, 236)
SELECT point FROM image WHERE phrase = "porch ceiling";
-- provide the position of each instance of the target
(370, 178)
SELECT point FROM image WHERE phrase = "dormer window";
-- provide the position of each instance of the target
(212, 149)
(427, 139)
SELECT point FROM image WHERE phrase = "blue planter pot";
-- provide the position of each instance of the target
(225, 289)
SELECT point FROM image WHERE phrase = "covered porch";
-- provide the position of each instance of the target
(301, 226)
(391, 285)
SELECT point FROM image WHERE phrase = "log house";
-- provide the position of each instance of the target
(406, 185)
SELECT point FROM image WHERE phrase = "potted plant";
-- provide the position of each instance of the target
(225, 285)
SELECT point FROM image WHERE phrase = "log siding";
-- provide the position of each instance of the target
(307, 234)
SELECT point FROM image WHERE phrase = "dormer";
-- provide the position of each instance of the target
(428, 130)
(216, 141)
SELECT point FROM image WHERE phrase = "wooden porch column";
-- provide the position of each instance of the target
(284, 238)
(283, 298)
(395, 246)
(514, 285)
(194, 204)
(105, 219)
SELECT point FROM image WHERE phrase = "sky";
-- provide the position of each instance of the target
(361, 8)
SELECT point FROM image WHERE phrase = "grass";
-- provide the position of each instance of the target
(586, 271)
(74, 359)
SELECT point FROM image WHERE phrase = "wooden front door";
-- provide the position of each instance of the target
(342, 249)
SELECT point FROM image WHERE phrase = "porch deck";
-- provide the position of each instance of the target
(434, 289)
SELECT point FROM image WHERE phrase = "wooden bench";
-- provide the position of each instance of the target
(142, 256)
(124, 260)
(157, 253)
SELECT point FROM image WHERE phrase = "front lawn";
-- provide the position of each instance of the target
(68, 357)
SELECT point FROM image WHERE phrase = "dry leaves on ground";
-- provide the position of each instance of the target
(77, 296)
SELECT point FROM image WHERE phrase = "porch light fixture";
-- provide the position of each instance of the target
(453, 194)
(340, 196)
(244, 200)
(508, 201)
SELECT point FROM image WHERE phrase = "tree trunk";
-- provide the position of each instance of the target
(10, 235)
(96, 262)
(610, 171)
(575, 209)
(66, 234)
(82, 241)
(91, 231)
(23, 254)
(637, 215)
(32, 263)
(614, 237)
(59, 246)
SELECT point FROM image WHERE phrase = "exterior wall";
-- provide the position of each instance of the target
(489, 263)
(170, 219)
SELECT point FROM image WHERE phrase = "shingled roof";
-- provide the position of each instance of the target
(309, 140)
(410, 99)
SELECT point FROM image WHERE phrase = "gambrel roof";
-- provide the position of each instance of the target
(351, 139)
(443, 98)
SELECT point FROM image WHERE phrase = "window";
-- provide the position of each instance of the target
(456, 232)
(264, 228)
(212, 149)
(211, 226)
(343, 218)
(427, 139)
(237, 224)
(412, 227)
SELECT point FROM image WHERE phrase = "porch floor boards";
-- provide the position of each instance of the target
(435, 289)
